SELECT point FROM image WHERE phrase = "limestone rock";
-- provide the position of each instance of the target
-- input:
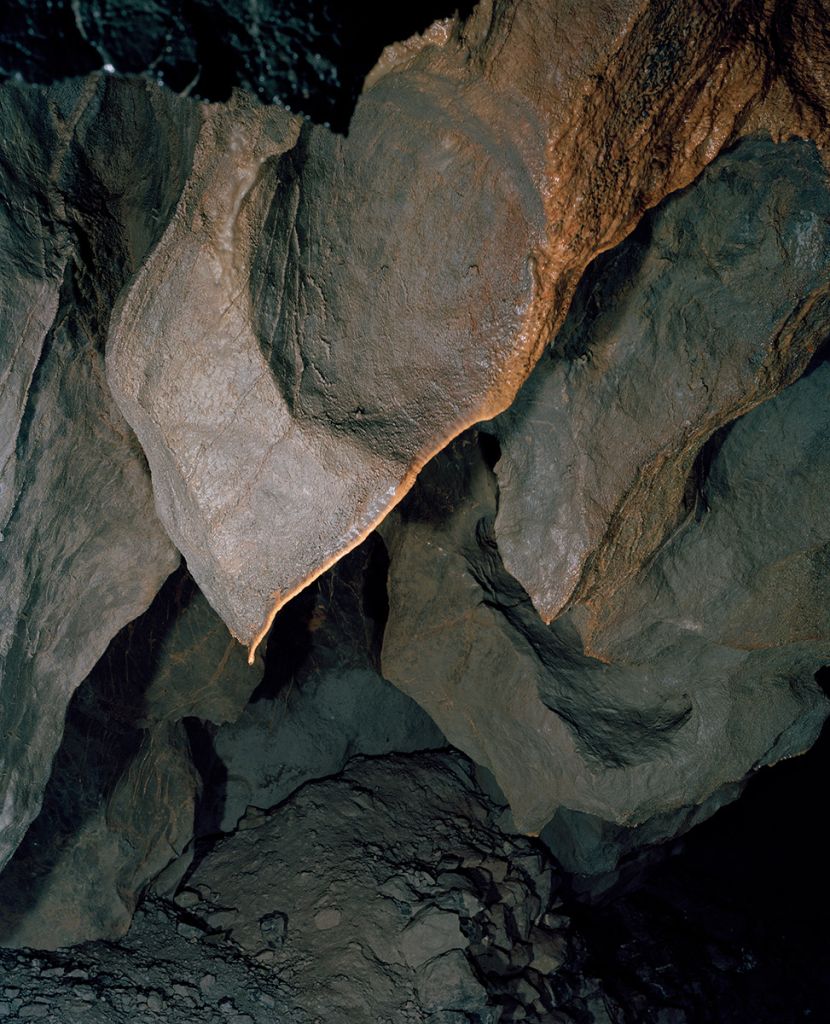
(700, 668)
(323, 699)
(82, 551)
(122, 798)
(718, 301)
(393, 885)
(288, 355)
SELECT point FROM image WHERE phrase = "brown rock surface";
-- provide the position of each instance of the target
(324, 314)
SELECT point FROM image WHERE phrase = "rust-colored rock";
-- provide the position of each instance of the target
(324, 314)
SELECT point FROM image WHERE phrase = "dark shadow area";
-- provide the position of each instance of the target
(375, 601)
(289, 645)
(214, 775)
(340, 617)
(102, 735)
(731, 926)
(311, 55)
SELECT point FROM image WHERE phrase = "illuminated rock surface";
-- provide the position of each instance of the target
(569, 263)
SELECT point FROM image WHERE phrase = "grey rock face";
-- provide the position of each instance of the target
(82, 552)
(389, 893)
(122, 797)
(717, 302)
(290, 358)
(323, 700)
(700, 667)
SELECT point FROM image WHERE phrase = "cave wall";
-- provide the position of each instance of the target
(549, 312)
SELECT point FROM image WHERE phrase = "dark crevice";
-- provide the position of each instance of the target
(213, 774)
(729, 924)
(309, 55)
(376, 595)
(490, 448)
(289, 645)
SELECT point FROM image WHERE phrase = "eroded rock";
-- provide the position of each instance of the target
(718, 301)
(122, 798)
(389, 893)
(82, 550)
(290, 358)
(701, 667)
(323, 699)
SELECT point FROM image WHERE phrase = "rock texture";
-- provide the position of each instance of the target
(288, 356)
(311, 55)
(699, 937)
(389, 894)
(322, 701)
(646, 696)
(718, 301)
(229, 334)
(82, 552)
(122, 797)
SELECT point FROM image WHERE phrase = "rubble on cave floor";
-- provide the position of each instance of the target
(386, 893)
(390, 894)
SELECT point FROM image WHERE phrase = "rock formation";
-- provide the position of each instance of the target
(123, 794)
(499, 389)
(254, 358)
(83, 552)
(643, 698)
